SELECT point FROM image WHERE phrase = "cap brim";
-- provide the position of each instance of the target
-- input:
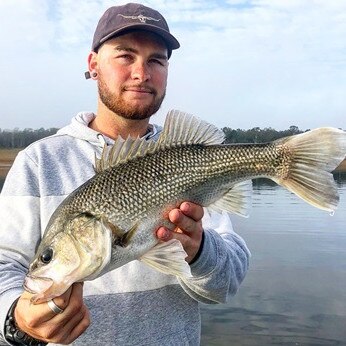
(171, 41)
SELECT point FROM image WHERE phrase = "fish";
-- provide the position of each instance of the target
(112, 218)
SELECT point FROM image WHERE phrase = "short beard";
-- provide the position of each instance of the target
(118, 105)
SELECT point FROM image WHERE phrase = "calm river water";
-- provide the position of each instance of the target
(295, 290)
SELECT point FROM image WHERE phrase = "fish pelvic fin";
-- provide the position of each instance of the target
(313, 156)
(168, 258)
(236, 200)
(179, 129)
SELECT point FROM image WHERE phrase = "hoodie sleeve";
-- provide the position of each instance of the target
(19, 230)
(222, 264)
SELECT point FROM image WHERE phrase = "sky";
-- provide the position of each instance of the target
(242, 63)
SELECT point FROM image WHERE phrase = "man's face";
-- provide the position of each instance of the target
(132, 74)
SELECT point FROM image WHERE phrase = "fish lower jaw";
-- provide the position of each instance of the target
(28, 289)
(37, 285)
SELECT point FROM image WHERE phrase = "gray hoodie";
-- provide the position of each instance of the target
(132, 305)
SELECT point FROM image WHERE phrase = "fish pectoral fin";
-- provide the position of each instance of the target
(236, 200)
(126, 238)
(120, 236)
(116, 231)
(169, 258)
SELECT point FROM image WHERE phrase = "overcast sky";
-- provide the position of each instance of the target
(242, 64)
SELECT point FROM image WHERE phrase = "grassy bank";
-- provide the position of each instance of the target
(7, 157)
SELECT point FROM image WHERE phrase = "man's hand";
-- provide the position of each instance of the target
(187, 219)
(40, 322)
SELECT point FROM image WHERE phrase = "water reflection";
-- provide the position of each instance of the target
(294, 292)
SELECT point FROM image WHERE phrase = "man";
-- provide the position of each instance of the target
(133, 305)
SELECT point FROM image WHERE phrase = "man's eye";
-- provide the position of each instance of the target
(125, 57)
(157, 61)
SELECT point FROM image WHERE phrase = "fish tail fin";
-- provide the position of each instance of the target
(313, 155)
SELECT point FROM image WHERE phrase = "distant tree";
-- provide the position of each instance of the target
(21, 138)
(257, 135)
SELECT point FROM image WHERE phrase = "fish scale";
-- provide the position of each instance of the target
(173, 175)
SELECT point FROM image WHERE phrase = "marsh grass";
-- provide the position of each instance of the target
(7, 157)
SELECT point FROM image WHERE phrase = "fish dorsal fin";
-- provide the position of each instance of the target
(182, 128)
(122, 151)
(237, 200)
(179, 129)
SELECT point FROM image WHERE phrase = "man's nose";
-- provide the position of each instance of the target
(141, 72)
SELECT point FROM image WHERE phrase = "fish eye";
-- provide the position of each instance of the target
(46, 255)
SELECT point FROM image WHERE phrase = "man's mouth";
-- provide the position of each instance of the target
(139, 89)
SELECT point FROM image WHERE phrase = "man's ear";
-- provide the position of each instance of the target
(92, 64)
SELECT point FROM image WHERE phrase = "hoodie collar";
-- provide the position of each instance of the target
(79, 128)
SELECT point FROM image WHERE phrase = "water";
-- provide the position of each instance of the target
(294, 293)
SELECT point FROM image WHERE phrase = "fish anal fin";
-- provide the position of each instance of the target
(169, 258)
(236, 200)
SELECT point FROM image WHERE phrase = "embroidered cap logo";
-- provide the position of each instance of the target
(141, 18)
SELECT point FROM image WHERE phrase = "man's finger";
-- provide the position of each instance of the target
(77, 323)
(185, 223)
(36, 314)
(164, 234)
(74, 304)
(62, 301)
(192, 210)
(79, 327)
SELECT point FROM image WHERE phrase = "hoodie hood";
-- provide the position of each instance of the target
(79, 128)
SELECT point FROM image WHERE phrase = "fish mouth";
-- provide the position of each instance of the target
(34, 284)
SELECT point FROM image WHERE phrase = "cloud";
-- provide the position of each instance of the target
(275, 63)
(24, 25)
(241, 63)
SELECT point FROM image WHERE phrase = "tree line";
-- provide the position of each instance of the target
(21, 138)
(258, 135)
